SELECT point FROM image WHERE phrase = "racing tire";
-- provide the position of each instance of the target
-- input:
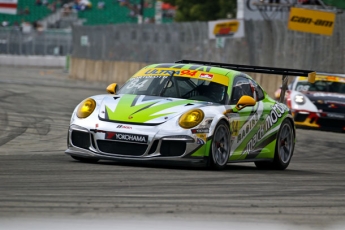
(85, 160)
(220, 147)
(284, 149)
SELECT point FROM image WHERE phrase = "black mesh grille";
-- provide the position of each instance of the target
(153, 147)
(121, 148)
(336, 124)
(80, 139)
(300, 117)
(173, 148)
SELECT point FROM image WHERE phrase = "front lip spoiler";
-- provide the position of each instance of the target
(89, 154)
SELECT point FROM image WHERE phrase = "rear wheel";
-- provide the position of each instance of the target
(284, 148)
(220, 147)
(85, 160)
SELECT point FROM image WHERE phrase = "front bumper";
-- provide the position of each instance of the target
(329, 121)
(177, 146)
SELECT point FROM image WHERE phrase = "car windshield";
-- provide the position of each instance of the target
(321, 86)
(176, 87)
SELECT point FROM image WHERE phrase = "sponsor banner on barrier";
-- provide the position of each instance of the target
(232, 28)
(8, 6)
(311, 21)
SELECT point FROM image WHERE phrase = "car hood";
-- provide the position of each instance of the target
(149, 110)
(325, 97)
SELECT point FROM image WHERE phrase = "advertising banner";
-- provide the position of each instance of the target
(8, 6)
(231, 28)
(311, 21)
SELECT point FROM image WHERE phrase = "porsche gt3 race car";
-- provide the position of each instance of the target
(319, 105)
(199, 112)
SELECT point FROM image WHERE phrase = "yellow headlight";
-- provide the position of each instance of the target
(191, 118)
(86, 108)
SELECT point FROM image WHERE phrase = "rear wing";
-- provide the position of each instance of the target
(260, 69)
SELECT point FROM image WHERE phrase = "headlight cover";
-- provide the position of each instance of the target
(191, 118)
(299, 99)
(86, 108)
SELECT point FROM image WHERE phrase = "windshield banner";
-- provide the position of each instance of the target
(197, 74)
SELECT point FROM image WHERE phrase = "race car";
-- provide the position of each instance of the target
(319, 105)
(188, 111)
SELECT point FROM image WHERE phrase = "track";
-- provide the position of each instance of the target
(37, 180)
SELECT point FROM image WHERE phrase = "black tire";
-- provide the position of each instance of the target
(85, 160)
(284, 149)
(220, 147)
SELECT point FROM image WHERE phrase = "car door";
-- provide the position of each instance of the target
(247, 122)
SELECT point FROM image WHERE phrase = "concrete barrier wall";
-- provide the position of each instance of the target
(119, 72)
(36, 61)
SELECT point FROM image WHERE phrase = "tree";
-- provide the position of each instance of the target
(203, 10)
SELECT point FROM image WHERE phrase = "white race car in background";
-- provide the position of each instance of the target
(320, 104)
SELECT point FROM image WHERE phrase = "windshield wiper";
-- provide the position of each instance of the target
(167, 83)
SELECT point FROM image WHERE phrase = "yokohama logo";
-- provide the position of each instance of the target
(131, 137)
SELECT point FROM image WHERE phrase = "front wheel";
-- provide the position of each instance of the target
(220, 147)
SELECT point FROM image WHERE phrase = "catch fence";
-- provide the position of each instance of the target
(266, 43)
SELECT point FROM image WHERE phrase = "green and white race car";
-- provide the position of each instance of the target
(193, 111)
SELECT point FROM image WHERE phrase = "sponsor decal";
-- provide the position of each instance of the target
(335, 115)
(207, 76)
(248, 127)
(127, 137)
(123, 127)
(202, 137)
(200, 130)
(276, 113)
(200, 141)
(169, 72)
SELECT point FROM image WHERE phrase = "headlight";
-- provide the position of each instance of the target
(191, 118)
(86, 108)
(299, 99)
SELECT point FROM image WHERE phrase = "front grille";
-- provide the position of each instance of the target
(153, 147)
(336, 124)
(121, 148)
(300, 117)
(327, 108)
(173, 148)
(80, 139)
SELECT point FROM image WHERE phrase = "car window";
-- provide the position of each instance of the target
(241, 86)
(321, 86)
(259, 93)
(177, 87)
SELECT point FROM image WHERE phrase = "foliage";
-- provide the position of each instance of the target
(203, 10)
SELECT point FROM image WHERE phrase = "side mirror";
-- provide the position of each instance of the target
(112, 88)
(244, 102)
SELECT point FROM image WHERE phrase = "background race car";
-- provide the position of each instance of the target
(320, 104)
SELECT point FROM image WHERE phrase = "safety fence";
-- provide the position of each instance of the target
(266, 43)
(13, 41)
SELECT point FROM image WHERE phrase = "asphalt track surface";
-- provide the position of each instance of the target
(42, 187)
